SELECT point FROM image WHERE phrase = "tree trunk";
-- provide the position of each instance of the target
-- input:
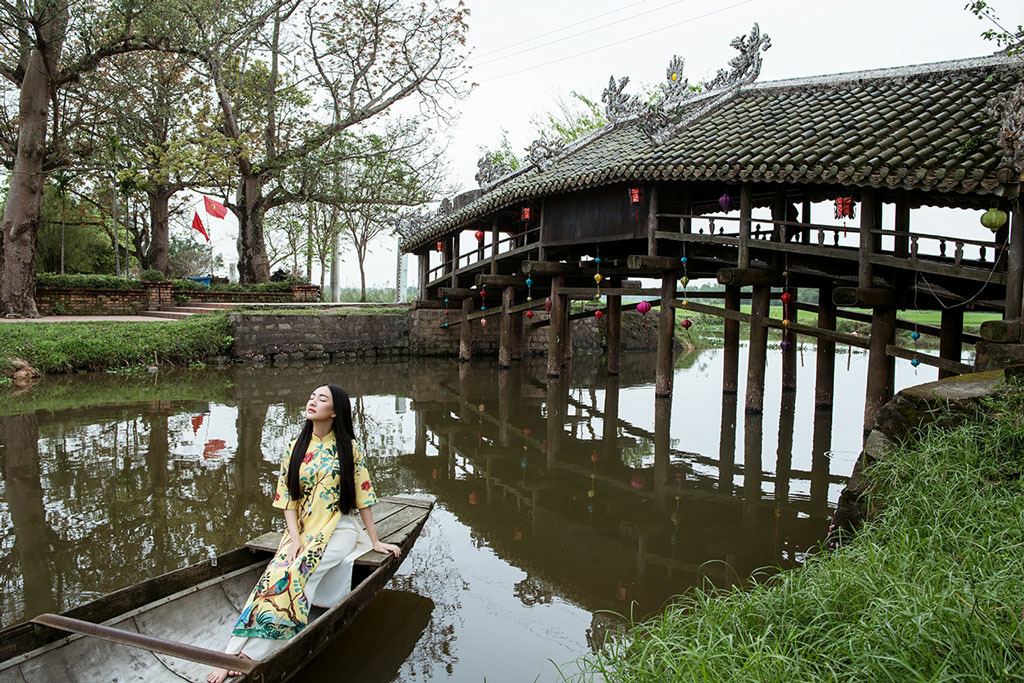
(253, 264)
(362, 275)
(25, 195)
(159, 229)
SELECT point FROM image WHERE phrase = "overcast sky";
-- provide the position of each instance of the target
(526, 54)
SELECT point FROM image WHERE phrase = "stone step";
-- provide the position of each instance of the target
(190, 310)
(214, 305)
(170, 315)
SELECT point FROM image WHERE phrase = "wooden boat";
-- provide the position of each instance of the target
(176, 624)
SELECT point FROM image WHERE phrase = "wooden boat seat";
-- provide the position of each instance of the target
(394, 516)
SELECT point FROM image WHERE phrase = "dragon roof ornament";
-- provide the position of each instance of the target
(491, 170)
(663, 118)
(542, 152)
(619, 106)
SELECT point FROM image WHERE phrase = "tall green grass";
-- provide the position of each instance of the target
(78, 346)
(931, 590)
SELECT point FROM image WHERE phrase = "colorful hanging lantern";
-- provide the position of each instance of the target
(785, 345)
(440, 245)
(529, 314)
(786, 297)
(993, 219)
(915, 335)
(634, 195)
(845, 208)
(524, 214)
(598, 314)
(479, 234)
(725, 201)
(598, 277)
(593, 456)
(915, 362)
(638, 481)
(483, 322)
(547, 305)
(644, 307)
(686, 323)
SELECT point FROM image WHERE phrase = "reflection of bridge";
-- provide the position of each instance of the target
(722, 185)
(576, 515)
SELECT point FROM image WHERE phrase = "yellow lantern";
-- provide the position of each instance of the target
(598, 277)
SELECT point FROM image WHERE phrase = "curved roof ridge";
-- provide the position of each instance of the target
(907, 71)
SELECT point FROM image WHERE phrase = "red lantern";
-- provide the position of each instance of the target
(598, 314)
(479, 234)
(525, 214)
(634, 195)
(786, 297)
(686, 324)
(440, 245)
(529, 314)
(845, 208)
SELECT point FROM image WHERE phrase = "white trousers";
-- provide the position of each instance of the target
(326, 586)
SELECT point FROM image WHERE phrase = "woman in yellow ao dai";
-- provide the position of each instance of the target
(313, 564)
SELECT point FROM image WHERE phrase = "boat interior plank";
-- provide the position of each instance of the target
(237, 588)
(203, 618)
(91, 660)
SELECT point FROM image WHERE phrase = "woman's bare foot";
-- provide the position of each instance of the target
(218, 675)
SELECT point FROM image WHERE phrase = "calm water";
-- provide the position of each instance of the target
(557, 500)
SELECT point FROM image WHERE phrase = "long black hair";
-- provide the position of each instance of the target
(343, 435)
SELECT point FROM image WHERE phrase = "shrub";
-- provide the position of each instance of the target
(152, 275)
(85, 281)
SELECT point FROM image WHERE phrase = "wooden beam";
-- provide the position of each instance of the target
(1001, 331)
(456, 292)
(711, 310)
(483, 280)
(589, 314)
(864, 297)
(590, 292)
(548, 268)
(654, 263)
(901, 323)
(747, 277)
(811, 331)
(943, 364)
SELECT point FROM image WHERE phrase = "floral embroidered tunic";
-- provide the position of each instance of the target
(277, 608)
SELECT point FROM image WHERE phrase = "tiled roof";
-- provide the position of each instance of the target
(920, 127)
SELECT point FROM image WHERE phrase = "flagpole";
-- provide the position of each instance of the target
(207, 209)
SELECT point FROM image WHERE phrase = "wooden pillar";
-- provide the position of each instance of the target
(505, 399)
(825, 370)
(821, 444)
(880, 366)
(951, 338)
(868, 222)
(555, 331)
(666, 330)
(731, 357)
(758, 349)
(746, 210)
(505, 340)
(1015, 263)
(753, 444)
(614, 333)
(727, 443)
(420, 448)
(466, 331)
(555, 403)
(516, 320)
(901, 244)
(566, 330)
(610, 428)
(652, 221)
(424, 261)
(686, 224)
(662, 448)
(789, 351)
(453, 250)
(805, 218)
(784, 454)
(494, 246)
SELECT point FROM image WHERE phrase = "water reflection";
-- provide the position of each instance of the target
(557, 497)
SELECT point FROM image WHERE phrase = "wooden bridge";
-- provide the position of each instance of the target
(722, 185)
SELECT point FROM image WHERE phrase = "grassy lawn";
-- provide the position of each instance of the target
(930, 590)
(81, 346)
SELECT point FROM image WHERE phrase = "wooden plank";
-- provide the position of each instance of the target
(688, 305)
(811, 331)
(925, 359)
(746, 277)
(654, 263)
(901, 323)
(926, 265)
(590, 292)
(693, 238)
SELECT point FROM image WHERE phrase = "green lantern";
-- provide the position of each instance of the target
(993, 219)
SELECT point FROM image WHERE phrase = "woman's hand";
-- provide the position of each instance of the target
(387, 548)
(294, 550)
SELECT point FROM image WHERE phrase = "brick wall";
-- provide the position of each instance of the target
(68, 301)
(420, 332)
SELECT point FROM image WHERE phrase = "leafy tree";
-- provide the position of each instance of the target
(188, 257)
(353, 59)
(71, 233)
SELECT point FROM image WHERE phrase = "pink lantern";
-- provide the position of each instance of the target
(638, 481)
(644, 308)
(547, 304)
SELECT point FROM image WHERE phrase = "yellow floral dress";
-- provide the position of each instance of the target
(277, 607)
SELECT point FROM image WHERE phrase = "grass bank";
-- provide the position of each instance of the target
(81, 346)
(930, 590)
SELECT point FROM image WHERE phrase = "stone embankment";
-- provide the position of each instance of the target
(950, 399)
(416, 332)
